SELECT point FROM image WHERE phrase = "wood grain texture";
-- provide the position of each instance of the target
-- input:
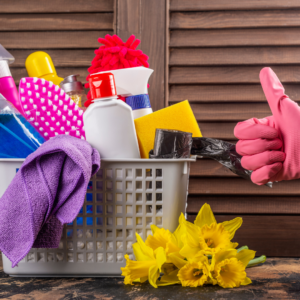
(128, 18)
(229, 75)
(235, 37)
(245, 204)
(42, 22)
(222, 131)
(230, 111)
(153, 14)
(51, 39)
(277, 278)
(226, 93)
(269, 235)
(18, 73)
(146, 19)
(60, 57)
(234, 56)
(240, 186)
(204, 5)
(209, 168)
(57, 6)
(234, 19)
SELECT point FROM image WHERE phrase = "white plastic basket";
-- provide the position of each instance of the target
(124, 197)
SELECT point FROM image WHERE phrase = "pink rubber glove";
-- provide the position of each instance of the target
(271, 146)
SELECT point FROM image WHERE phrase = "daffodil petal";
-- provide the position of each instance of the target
(143, 279)
(223, 254)
(153, 228)
(205, 216)
(245, 256)
(139, 254)
(189, 252)
(177, 261)
(246, 281)
(153, 275)
(147, 251)
(233, 225)
(179, 232)
(160, 255)
(234, 245)
(169, 279)
(159, 239)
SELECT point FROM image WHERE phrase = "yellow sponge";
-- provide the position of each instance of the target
(176, 117)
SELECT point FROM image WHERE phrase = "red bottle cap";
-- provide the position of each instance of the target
(102, 85)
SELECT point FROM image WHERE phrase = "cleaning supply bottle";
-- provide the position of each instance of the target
(7, 85)
(74, 89)
(108, 122)
(131, 83)
(140, 105)
(18, 137)
(39, 64)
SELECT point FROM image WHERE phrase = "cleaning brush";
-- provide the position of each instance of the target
(49, 109)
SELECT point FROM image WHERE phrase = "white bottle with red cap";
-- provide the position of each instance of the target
(108, 122)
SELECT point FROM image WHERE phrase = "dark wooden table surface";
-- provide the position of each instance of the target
(278, 278)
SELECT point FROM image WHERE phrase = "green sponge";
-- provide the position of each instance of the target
(176, 117)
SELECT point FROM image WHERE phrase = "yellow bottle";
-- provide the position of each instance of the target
(39, 64)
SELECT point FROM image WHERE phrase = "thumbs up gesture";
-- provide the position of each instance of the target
(271, 146)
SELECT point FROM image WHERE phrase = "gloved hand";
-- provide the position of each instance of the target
(271, 146)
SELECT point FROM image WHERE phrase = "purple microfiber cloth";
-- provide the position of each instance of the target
(47, 192)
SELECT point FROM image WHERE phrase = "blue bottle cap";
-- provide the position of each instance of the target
(138, 101)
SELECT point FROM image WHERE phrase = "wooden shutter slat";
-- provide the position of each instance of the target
(240, 186)
(234, 19)
(246, 204)
(42, 22)
(204, 5)
(51, 39)
(271, 235)
(61, 57)
(225, 93)
(235, 37)
(230, 111)
(223, 131)
(57, 6)
(209, 168)
(225, 75)
(18, 73)
(234, 56)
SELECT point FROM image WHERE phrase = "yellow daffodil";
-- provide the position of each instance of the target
(228, 267)
(206, 235)
(163, 238)
(148, 264)
(206, 217)
(195, 272)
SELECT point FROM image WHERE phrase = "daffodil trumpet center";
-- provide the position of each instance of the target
(210, 243)
(198, 273)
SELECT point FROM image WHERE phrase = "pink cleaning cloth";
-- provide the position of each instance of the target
(271, 146)
(49, 109)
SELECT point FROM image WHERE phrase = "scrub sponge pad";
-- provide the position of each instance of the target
(176, 117)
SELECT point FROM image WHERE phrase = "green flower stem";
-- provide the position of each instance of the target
(256, 261)
(242, 248)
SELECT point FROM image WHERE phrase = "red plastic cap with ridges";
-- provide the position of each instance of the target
(102, 85)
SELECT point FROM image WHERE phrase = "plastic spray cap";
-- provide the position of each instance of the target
(131, 81)
(102, 86)
(5, 59)
(39, 64)
(138, 101)
(70, 84)
(5, 55)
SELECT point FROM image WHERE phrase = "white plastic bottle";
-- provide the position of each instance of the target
(108, 122)
(140, 105)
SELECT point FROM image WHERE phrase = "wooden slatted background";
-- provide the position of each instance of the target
(67, 30)
(216, 50)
